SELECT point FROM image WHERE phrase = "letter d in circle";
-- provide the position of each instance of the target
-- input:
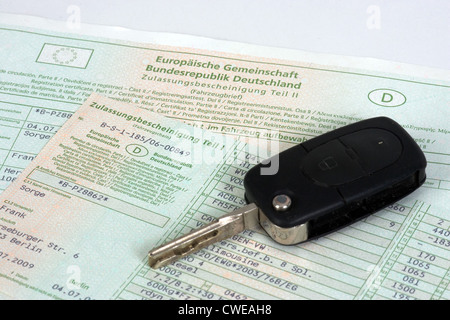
(136, 150)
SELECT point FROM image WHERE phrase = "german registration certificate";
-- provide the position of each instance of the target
(401, 252)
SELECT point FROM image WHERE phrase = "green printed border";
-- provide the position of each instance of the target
(227, 58)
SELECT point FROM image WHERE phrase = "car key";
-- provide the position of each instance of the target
(321, 185)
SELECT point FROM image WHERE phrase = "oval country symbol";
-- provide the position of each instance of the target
(136, 150)
(387, 97)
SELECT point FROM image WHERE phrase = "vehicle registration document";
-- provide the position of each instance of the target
(109, 147)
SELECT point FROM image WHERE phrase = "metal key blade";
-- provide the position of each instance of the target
(224, 228)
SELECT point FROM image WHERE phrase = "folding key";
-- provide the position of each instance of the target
(321, 185)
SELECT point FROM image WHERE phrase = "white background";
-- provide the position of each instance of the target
(408, 31)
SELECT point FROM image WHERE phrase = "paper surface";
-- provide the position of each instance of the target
(100, 194)
(399, 253)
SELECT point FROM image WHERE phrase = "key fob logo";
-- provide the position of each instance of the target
(328, 163)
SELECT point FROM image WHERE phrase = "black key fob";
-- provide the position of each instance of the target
(335, 179)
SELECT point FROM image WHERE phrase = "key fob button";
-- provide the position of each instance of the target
(375, 148)
(331, 164)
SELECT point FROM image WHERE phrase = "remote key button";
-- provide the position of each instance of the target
(375, 148)
(330, 165)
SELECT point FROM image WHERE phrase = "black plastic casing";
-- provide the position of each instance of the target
(340, 177)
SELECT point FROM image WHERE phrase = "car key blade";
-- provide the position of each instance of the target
(224, 228)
